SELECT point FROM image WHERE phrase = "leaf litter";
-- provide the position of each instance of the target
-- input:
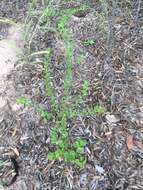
(114, 65)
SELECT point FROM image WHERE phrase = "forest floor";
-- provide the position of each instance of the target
(72, 68)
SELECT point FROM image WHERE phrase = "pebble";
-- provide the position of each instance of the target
(112, 118)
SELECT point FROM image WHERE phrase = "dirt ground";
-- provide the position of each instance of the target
(113, 64)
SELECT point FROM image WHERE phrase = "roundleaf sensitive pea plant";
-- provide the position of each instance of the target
(64, 110)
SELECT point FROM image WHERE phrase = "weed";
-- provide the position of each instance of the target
(69, 66)
(49, 13)
(96, 110)
(80, 59)
(63, 110)
(66, 15)
(28, 103)
(71, 153)
(24, 102)
(85, 88)
(88, 42)
(47, 75)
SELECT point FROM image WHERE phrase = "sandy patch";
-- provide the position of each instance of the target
(9, 50)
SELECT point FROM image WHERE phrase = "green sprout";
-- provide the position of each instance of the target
(89, 42)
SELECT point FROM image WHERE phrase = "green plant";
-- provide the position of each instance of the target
(89, 42)
(24, 102)
(96, 110)
(49, 13)
(71, 153)
(80, 59)
(69, 66)
(79, 145)
(85, 88)
(47, 75)
(28, 103)
(63, 110)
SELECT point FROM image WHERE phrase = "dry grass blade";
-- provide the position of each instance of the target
(7, 21)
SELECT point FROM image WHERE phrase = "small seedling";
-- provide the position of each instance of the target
(28, 103)
(49, 13)
(96, 110)
(24, 102)
(85, 88)
(89, 42)
(80, 59)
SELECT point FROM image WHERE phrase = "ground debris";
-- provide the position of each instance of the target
(108, 44)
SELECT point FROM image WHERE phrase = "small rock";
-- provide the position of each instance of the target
(2, 102)
(16, 107)
(99, 169)
(112, 118)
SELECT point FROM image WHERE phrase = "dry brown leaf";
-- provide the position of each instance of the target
(129, 142)
(15, 150)
(139, 144)
(119, 19)
(14, 132)
(132, 24)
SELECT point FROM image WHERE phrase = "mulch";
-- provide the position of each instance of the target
(113, 65)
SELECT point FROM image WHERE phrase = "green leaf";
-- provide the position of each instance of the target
(49, 12)
(79, 143)
(54, 137)
(61, 144)
(88, 42)
(69, 156)
(43, 113)
(79, 150)
(85, 88)
(96, 110)
(24, 101)
(80, 162)
(58, 153)
(51, 156)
